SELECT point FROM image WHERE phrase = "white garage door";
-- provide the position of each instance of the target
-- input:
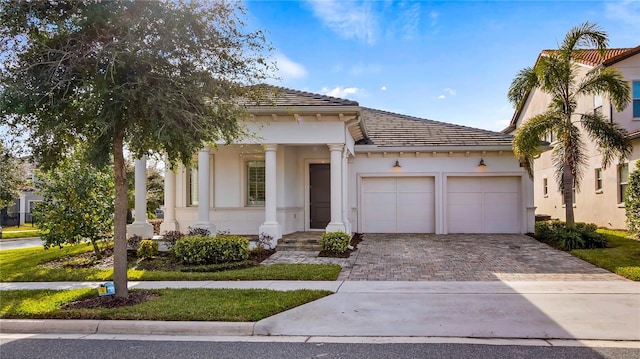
(398, 205)
(483, 204)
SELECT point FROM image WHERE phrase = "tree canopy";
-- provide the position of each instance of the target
(558, 74)
(156, 76)
(11, 177)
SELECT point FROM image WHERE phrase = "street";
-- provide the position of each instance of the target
(20, 243)
(100, 349)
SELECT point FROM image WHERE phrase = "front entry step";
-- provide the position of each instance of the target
(300, 241)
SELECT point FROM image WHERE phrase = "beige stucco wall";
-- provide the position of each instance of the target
(600, 207)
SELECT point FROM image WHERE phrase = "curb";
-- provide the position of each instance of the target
(64, 326)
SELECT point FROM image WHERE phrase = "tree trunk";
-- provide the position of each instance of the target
(96, 249)
(120, 218)
(567, 191)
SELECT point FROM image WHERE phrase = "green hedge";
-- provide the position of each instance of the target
(336, 242)
(211, 250)
(582, 236)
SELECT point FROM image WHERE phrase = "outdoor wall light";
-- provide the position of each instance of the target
(482, 164)
(397, 165)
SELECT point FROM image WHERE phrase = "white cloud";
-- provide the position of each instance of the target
(288, 69)
(339, 91)
(361, 69)
(450, 91)
(349, 19)
(410, 19)
(441, 97)
(627, 11)
(383, 88)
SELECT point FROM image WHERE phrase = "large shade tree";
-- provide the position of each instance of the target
(557, 74)
(11, 178)
(148, 76)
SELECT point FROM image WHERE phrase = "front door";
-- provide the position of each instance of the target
(319, 195)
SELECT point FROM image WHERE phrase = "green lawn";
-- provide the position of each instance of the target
(20, 232)
(23, 265)
(622, 256)
(232, 305)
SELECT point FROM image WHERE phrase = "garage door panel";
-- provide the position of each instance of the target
(398, 205)
(483, 205)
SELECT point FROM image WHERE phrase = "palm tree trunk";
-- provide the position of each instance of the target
(120, 218)
(567, 191)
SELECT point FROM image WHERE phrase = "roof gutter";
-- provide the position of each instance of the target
(268, 110)
(374, 148)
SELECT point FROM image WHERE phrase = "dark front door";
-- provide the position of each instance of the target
(319, 195)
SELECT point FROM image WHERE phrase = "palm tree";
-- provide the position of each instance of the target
(556, 73)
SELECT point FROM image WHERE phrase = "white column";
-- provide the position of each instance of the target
(336, 223)
(271, 225)
(345, 193)
(169, 222)
(530, 214)
(140, 226)
(203, 192)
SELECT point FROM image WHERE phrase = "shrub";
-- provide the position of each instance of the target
(171, 237)
(632, 203)
(211, 250)
(202, 232)
(133, 242)
(147, 249)
(581, 236)
(336, 242)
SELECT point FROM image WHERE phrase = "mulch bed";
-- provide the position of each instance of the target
(111, 301)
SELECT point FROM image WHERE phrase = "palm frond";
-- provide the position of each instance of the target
(610, 137)
(525, 81)
(526, 143)
(606, 81)
(585, 36)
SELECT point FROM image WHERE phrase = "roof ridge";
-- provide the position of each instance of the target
(316, 95)
(414, 118)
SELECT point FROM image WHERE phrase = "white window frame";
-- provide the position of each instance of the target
(622, 182)
(247, 183)
(598, 180)
(635, 101)
(545, 187)
(191, 173)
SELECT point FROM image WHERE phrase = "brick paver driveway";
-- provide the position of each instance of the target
(468, 257)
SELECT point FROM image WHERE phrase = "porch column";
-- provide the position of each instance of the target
(203, 192)
(336, 223)
(271, 225)
(169, 222)
(140, 226)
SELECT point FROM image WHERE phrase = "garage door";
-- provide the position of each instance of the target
(398, 205)
(483, 204)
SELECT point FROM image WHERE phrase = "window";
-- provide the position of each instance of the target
(192, 188)
(255, 183)
(599, 179)
(597, 104)
(545, 187)
(550, 137)
(623, 177)
(636, 98)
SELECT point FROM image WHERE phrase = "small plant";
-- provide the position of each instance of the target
(265, 241)
(171, 237)
(581, 236)
(336, 242)
(147, 249)
(211, 250)
(133, 242)
(632, 203)
(195, 231)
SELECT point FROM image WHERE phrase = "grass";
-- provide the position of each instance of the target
(233, 305)
(622, 256)
(23, 265)
(20, 232)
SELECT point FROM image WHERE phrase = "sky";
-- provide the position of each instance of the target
(450, 61)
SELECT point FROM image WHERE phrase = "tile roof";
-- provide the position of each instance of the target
(389, 129)
(290, 97)
(590, 57)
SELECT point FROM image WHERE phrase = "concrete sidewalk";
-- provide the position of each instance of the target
(581, 310)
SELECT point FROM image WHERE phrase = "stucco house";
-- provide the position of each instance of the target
(600, 199)
(319, 163)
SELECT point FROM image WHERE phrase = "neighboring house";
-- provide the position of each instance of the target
(328, 164)
(600, 198)
(19, 213)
